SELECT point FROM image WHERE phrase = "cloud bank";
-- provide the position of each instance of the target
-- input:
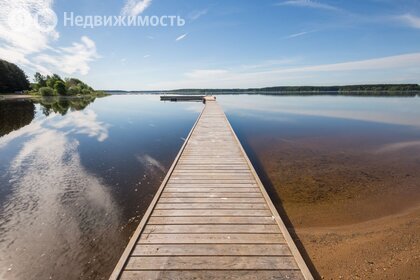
(23, 41)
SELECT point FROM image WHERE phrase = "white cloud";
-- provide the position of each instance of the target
(135, 7)
(72, 59)
(147, 56)
(27, 38)
(20, 41)
(389, 62)
(296, 35)
(410, 20)
(338, 73)
(23, 43)
(307, 4)
(197, 14)
(181, 37)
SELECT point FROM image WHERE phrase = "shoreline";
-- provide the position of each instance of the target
(4, 97)
(387, 247)
(15, 96)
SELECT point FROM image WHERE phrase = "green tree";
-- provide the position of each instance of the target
(46, 91)
(60, 88)
(12, 78)
(86, 91)
(51, 80)
(40, 80)
(73, 90)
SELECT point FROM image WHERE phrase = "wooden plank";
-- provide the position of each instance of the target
(213, 274)
(207, 238)
(211, 262)
(209, 185)
(210, 190)
(214, 194)
(231, 176)
(211, 181)
(212, 167)
(248, 206)
(246, 179)
(211, 200)
(211, 173)
(211, 162)
(230, 220)
(211, 229)
(212, 250)
(214, 213)
(179, 171)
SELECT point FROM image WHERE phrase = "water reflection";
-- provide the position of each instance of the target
(62, 105)
(19, 113)
(76, 179)
(389, 110)
(55, 210)
(15, 114)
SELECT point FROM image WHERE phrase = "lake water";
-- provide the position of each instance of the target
(77, 176)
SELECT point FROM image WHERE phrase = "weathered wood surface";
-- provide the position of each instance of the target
(211, 218)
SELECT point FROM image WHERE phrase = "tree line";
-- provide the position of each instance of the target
(368, 90)
(12, 78)
(51, 85)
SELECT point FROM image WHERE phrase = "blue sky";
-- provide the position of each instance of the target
(223, 44)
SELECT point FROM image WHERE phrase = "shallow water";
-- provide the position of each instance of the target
(76, 178)
(318, 151)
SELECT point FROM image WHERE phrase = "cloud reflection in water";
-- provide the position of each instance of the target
(56, 210)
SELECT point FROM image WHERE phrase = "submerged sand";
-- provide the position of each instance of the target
(355, 213)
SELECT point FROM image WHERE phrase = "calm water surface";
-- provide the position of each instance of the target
(321, 150)
(347, 123)
(76, 178)
(74, 183)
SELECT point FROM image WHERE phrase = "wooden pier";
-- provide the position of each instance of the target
(211, 217)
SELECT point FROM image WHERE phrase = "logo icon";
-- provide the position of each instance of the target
(21, 20)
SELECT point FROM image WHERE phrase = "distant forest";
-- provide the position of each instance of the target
(12, 78)
(351, 90)
(363, 90)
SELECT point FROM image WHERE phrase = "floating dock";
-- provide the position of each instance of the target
(175, 98)
(211, 217)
